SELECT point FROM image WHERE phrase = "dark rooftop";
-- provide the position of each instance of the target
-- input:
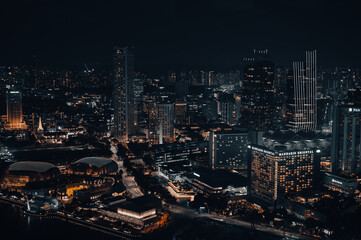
(219, 178)
(134, 207)
(95, 161)
(31, 166)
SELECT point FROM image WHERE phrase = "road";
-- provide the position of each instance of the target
(129, 182)
(176, 209)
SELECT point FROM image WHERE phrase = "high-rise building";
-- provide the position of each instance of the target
(278, 171)
(258, 90)
(237, 107)
(346, 140)
(138, 100)
(181, 89)
(14, 110)
(227, 110)
(305, 94)
(228, 150)
(181, 113)
(123, 93)
(208, 78)
(165, 116)
(209, 110)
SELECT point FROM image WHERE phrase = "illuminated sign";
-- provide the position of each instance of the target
(295, 153)
(335, 181)
(284, 153)
(263, 151)
(354, 109)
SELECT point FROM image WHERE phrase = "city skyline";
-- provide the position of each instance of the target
(170, 119)
(214, 33)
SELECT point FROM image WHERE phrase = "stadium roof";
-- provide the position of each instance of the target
(95, 161)
(31, 166)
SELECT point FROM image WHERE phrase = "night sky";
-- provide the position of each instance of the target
(170, 33)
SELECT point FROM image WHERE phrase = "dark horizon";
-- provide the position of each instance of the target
(172, 34)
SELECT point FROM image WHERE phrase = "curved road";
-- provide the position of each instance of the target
(176, 209)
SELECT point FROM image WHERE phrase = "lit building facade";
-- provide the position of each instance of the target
(14, 111)
(165, 117)
(123, 93)
(228, 150)
(275, 173)
(258, 90)
(227, 109)
(208, 78)
(181, 113)
(305, 94)
(209, 110)
(346, 141)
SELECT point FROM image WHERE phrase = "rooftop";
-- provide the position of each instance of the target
(218, 178)
(31, 166)
(134, 207)
(289, 141)
(95, 161)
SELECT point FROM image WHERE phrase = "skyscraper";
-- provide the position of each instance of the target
(226, 104)
(305, 94)
(210, 110)
(228, 150)
(346, 140)
(181, 113)
(258, 91)
(181, 89)
(123, 93)
(14, 111)
(275, 172)
(208, 78)
(165, 115)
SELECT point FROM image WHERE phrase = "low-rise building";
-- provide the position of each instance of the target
(140, 213)
(210, 182)
(342, 184)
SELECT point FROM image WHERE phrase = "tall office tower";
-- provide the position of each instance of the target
(123, 93)
(237, 108)
(275, 172)
(290, 114)
(195, 78)
(346, 141)
(208, 78)
(258, 91)
(209, 110)
(181, 89)
(165, 117)
(280, 86)
(138, 100)
(227, 109)
(181, 113)
(228, 150)
(305, 94)
(151, 109)
(235, 77)
(14, 111)
(220, 79)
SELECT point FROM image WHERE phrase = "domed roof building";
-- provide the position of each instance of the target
(93, 166)
(20, 173)
(30, 167)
